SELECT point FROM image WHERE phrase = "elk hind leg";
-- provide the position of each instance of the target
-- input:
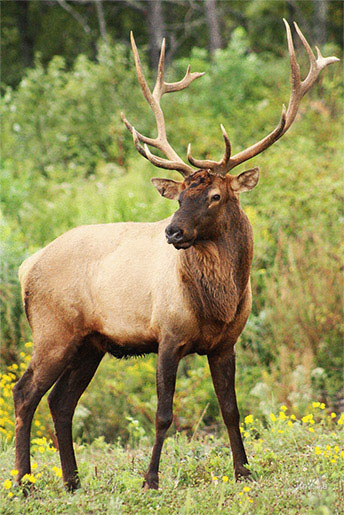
(62, 403)
(47, 363)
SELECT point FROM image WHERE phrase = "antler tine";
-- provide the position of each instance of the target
(157, 161)
(174, 162)
(170, 87)
(139, 72)
(141, 137)
(183, 168)
(159, 85)
(220, 167)
(298, 90)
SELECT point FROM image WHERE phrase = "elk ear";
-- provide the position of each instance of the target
(245, 181)
(167, 188)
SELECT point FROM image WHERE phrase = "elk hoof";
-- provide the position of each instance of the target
(72, 484)
(151, 483)
(242, 473)
(27, 489)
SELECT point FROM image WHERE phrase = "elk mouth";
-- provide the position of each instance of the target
(183, 244)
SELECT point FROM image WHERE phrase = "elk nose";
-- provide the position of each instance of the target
(173, 234)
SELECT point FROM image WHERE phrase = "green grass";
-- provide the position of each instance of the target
(297, 466)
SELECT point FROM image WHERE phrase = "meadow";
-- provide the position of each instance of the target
(297, 467)
(67, 160)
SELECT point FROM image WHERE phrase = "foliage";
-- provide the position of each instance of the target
(33, 28)
(297, 467)
(66, 122)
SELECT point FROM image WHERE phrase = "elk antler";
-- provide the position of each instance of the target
(174, 162)
(298, 90)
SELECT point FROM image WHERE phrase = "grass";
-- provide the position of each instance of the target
(297, 466)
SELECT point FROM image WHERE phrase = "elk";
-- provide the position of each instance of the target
(81, 293)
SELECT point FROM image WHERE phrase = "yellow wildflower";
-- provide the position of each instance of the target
(333, 415)
(28, 345)
(10, 494)
(282, 415)
(41, 449)
(225, 479)
(215, 478)
(311, 429)
(308, 418)
(290, 423)
(280, 431)
(293, 417)
(240, 493)
(273, 417)
(14, 472)
(7, 484)
(34, 465)
(283, 408)
(322, 405)
(249, 419)
(317, 450)
(315, 404)
(250, 500)
(29, 477)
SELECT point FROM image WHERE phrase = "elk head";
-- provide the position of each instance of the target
(205, 194)
(205, 200)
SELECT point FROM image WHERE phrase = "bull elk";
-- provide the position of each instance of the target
(81, 293)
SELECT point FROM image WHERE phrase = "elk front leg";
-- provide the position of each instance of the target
(222, 367)
(166, 380)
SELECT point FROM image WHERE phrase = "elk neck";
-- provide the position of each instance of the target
(215, 272)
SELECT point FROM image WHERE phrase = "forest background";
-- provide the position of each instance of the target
(67, 160)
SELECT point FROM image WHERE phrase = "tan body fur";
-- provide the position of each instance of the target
(124, 282)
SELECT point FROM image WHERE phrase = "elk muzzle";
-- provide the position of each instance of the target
(177, 237)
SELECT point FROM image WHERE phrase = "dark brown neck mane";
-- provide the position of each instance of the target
(216, 272)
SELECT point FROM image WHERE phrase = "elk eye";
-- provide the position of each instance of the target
(214, 198)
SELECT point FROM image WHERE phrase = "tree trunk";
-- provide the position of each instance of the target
(320, 21)
(156, 29)
(101, 19)
(26, 41)
(213, 26)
